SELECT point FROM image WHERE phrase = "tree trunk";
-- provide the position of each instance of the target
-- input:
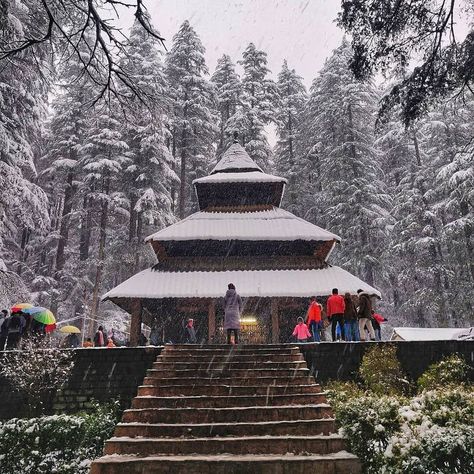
(100, 254)
(85, 231)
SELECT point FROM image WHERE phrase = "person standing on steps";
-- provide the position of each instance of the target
(301, 331)
(365, 316)
(190, 333)
(313, 321)
(335, 309)
(350, 319)
(232, 312)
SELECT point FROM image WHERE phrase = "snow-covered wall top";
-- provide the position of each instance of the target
(273, 225)
(254, 283)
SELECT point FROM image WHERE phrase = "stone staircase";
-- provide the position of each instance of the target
(228, 409)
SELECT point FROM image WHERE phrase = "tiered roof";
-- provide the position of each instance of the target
(241, 235)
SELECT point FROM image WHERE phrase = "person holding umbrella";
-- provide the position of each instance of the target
(72, 338)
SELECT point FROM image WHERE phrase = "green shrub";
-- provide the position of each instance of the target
(451, 370)
(381, 372)
(368, 423)
(339, 393)
(436, 435)
(60, 444)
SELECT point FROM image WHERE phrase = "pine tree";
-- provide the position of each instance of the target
(149, 177)
(352, 202)
(193, 121)
(292, 98)
(23, 100)
(257, 109)
(228, 89)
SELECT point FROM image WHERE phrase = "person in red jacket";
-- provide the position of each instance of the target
(313, 320)
(335, 309)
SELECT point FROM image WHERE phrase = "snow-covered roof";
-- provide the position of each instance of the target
(429, 334)
(249, 177)
(257, 283)
(234, 159)
(273, 225)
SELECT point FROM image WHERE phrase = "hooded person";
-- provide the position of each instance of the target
(190, 332)
(232, 312)
(364, 314)
(350, 319)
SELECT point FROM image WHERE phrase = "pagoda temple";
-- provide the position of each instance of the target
(240, 235)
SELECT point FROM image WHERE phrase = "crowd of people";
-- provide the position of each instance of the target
(18, 326)
(351, 319)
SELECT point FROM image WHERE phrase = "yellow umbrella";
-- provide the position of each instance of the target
(70, 330)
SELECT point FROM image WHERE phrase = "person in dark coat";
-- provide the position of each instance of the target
(190, 333)
(232, 311)
(72, 341)
(15, 327)
(350, 319)
(3, 328)
(364, 314)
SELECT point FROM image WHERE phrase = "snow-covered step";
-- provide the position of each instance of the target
(229, 356)
(317, 426)
(335, 463)
(225, 379)
(244, 445)
(217, 389)
(228, 365)
(204, 401)
(248, 373)
(228, 414)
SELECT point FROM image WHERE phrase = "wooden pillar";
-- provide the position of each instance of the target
(135, 322)
(275, 321)
(211, 321)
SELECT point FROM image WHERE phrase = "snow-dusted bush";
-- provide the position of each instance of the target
(37, 372)
(432, 433)
(436, 435)
(381, 372)
(368, 422)
(60, 444)
(451, 370)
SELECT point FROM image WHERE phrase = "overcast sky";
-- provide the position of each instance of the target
(301, 31)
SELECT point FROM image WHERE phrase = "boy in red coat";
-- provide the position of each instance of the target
(314, 319)
(335, 308)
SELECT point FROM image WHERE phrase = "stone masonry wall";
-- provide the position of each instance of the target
(111, 374)
(341, 361)
(98, 374)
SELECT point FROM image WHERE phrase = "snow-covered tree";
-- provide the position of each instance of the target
(292, 98)
(340, 128)
(193, 120)
(148, 179)
(228, 88)
(257, 106)
(23, 100)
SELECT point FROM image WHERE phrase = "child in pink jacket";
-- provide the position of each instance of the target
(301, 331)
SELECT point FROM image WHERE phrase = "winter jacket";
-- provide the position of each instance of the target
(232, 310)
(350, 311)
(376, 320)
(100, 341)
(190, 335)
(365, 306)
(335, 305)
(301, 332)
(16, 324)
(314, 312)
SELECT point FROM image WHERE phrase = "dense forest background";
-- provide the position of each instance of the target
(86, 172)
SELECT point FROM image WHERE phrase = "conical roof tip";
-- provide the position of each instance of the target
(236, 160)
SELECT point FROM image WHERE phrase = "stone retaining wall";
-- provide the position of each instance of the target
(111, 374)
(341, 360)
(98, 374)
